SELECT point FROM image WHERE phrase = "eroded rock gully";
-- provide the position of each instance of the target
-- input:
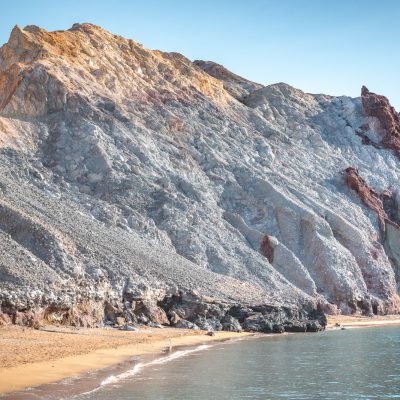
(123, 167)
(382, 204)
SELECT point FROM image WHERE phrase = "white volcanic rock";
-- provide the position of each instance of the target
(154, 173)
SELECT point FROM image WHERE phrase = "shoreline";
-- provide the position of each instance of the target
(145, 342)
(347, 321)
(30, 358)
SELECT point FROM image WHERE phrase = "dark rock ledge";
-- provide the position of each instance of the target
(181, 309)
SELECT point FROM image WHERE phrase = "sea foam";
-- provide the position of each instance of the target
(114, 379)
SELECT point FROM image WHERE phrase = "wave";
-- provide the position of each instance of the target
(113, 379)
(162, 360)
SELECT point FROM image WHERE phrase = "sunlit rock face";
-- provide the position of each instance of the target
(125, 166)
(235, 85)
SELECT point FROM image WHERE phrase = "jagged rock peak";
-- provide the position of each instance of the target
(88, 61)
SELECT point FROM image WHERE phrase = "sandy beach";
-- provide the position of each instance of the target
(348, 321)
(31, 357)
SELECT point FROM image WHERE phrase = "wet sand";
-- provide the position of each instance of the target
(31, 357)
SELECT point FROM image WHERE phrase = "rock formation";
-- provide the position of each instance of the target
(136, 184)
(371, 198)
(383, 119)
(267, 249)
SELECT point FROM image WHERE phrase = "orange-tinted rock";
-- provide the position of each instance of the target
(9, 81)
(5, 319)
(152, 312)
(235, 85)
(369, 197)
(266, 248)
(80, 51)
(379, 107)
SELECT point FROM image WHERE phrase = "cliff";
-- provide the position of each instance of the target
(136, 183)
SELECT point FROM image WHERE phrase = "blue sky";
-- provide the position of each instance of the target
(319, 46)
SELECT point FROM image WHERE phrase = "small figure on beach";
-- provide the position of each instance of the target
(323, 321)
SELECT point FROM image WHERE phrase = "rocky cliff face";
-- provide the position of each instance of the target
(132, 177)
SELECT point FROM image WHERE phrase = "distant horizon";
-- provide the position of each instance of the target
(315, 46)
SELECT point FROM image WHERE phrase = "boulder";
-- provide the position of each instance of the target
(5, 319)
(240, 312)
(190, 305)
(295, 326)
(314, 326)
(278, 328)
(209, 324)
(231, 324)
(173, 317)
(257, 323)
(26, 318)
(154, 325)
(142, 319)
(185, 324)
(277, 315)
(129, 328)
(110, 312)
(152, 312)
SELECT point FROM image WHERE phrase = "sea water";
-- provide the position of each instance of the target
(342, 364)
(337, 365)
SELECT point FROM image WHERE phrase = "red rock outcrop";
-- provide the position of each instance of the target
(372, 199)
(379, 107)
(266, 248)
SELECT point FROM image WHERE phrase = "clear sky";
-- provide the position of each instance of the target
(319, 46)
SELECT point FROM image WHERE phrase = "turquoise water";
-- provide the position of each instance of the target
(337, 365)
(350, 364)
